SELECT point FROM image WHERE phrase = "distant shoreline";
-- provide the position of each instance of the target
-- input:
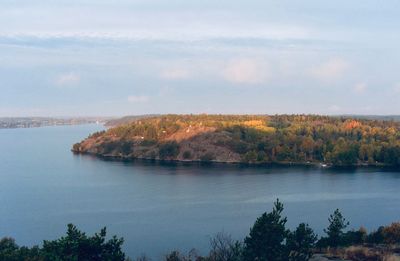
(38, 122)
(314, 165)
(44, 126)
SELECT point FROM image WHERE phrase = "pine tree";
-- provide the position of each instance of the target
(337, 223)
(266, 239)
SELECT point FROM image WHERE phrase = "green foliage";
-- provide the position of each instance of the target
(337, 223)
(169, 150)
(376, 237)
(187, 155)
(110, 146)
(391, 155)
(354, 237)
(301, 242)
(268, 240)
(344, 153)
(267, 237)
(10, 251)
(261, 156)
(126, 147)
(209, 156)
(75, 246)
(97, 134)
(250, 156)
(148, 143)
(238, 146)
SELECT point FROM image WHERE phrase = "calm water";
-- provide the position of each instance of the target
(157, 208)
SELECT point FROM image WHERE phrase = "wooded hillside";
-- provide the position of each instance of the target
(252, 139)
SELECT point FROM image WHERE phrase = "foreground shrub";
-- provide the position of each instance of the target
(224, 248)
(376, 237)
(178, 256)
(354, 237)
(391, 234)
(362, 254)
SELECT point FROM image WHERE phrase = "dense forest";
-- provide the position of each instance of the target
(339, 141)
(268, 240)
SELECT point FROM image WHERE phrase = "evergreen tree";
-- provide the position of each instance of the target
(337, 223)
(267, 237)
(76, 245)
(301, 242)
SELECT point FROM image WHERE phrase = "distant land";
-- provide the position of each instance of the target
(374, 117)
(128, 119)
(251, 139)
(33, 122)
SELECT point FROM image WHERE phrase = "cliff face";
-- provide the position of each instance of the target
(251, 139)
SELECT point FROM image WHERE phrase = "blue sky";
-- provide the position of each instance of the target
(87, 57)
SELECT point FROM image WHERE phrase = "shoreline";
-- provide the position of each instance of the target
(319, 165)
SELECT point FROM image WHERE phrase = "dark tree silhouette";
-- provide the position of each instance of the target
(266, 239)
(337, 224)
(301, 242)
(76, 245)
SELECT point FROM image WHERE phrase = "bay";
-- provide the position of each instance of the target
(161, 207)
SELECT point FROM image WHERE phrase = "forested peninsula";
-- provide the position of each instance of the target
(251, 139)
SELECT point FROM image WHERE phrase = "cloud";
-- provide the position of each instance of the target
(68, 79)
(138, 99)
(331, 70)
(175, 74)
(246, 71)
(128, 19)
(360, 87)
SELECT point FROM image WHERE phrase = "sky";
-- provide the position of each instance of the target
(120, 57)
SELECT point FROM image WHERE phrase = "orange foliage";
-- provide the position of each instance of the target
(352, 124)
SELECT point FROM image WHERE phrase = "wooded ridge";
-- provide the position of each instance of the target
(255, 139)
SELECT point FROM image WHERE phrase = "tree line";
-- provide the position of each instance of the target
(269, 240)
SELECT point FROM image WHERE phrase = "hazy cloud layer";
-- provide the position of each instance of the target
(136, 57)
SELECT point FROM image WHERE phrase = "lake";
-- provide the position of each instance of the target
(161, 207)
